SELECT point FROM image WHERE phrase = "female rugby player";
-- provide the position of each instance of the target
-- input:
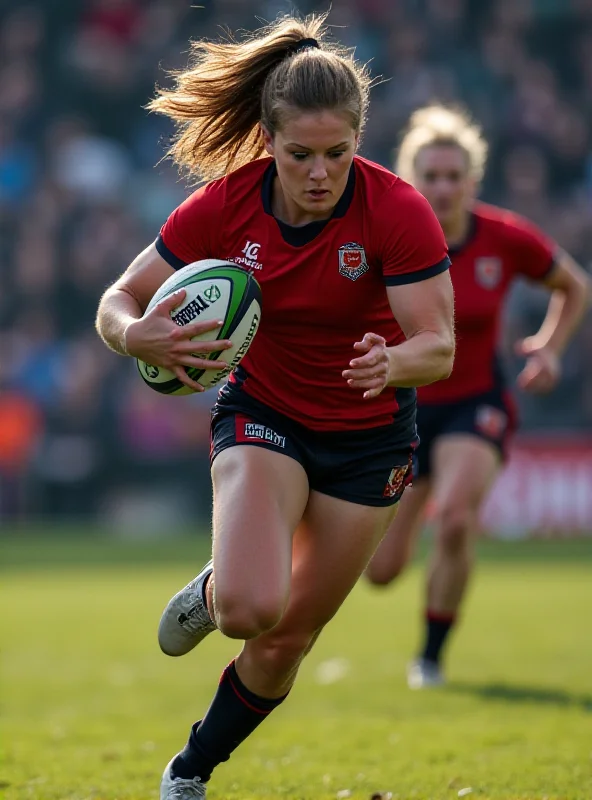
(464, 421)
(312, 436)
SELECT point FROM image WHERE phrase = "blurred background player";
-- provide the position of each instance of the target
(464, 421)
(311, 441)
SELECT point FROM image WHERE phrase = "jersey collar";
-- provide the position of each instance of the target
(472, 230)
(303, 234)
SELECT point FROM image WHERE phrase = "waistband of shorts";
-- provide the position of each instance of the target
(240, 402)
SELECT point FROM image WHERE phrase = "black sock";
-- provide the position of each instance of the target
(234, 714)
(438, 627)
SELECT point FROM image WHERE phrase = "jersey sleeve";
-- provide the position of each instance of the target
(412, 246)
(534, 253)
(192, 230)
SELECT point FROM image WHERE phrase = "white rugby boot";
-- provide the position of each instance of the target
(180, 788)
(422, 674)
(186, 621)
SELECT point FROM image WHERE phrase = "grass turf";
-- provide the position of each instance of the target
(92, 711)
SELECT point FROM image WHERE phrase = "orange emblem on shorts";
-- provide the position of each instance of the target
(396, 481)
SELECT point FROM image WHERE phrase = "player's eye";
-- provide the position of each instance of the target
(299, 156)
(336, 154)
(430, 177)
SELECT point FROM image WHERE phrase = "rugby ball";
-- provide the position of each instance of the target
(215, 290)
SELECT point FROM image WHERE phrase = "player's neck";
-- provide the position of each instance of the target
(456, 231)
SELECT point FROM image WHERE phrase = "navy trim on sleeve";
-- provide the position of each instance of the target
(420, 275)
(299, 236)
(169, 257)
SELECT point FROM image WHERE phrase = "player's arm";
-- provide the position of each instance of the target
(415, 270)
(188, 235)
(126, 300)
(155, 338)
(571, 294)
(425, 312)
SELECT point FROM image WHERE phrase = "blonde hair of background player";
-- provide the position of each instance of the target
(229, 88)
(439, 125)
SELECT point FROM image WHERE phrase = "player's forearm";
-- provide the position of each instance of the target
(116, 311)
(564, 314)
(424, 358)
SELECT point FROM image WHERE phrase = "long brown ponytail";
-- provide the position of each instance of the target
(230, 87)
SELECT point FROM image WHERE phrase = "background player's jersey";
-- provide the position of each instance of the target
(323, 284)
(500, 247)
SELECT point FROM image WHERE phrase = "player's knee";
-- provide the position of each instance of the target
(381, 574)
(240, 618)
(455, 525)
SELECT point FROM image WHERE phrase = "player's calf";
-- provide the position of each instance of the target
(271, 662)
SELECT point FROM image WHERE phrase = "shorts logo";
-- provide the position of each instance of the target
(488, 272)
(491, 421)
(256, 431)
(397, 481)
(352, 261)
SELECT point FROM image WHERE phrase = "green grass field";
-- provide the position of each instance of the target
(91, 710)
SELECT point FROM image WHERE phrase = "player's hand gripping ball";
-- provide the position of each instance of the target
(212, 303)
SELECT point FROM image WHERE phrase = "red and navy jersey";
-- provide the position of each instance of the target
(500, 247)
(323, 284)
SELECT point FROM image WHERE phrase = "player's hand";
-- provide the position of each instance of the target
(370, 370)
(542, 369)
(157, 339)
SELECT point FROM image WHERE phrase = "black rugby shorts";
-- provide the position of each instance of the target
(489, 416)
(370, 467)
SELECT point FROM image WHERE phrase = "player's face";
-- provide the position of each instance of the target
(313, 153)
(442, 175)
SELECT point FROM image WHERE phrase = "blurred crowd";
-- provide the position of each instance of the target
(82, 191)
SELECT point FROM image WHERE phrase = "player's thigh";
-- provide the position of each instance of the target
(396, 547)
(464, 468)
(259, 499)
(331, 549)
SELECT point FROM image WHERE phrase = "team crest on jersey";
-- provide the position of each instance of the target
(491, 421)
(396, 481)
(488, 271)
(352, 261)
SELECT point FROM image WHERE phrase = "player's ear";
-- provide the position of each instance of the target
(267, 141)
